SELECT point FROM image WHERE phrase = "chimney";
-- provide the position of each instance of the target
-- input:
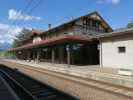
(49, 26)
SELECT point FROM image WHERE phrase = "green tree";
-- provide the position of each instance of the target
(23, 35)
(130, 24)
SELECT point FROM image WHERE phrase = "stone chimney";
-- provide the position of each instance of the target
(49, 26)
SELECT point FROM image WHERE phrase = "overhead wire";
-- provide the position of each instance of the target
(27, 7)
(14, 21)
(32, 9)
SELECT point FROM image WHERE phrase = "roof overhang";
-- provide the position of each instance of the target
(55, 41)
(72, 22)
(124, 32)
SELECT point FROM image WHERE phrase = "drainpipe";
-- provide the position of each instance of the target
(68, 55)
(101, 54)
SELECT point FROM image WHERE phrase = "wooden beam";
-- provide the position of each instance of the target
(38, 56)
(61, 54)
(68, 55)
(53, 55)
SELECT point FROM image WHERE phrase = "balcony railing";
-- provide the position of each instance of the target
(88, 30)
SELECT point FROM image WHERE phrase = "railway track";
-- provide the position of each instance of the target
(79, 87)
(27, 88)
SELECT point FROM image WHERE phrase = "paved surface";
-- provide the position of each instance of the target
(79, 84)
(63, 67)
(90, 72)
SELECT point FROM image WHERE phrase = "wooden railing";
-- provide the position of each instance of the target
(88, 30)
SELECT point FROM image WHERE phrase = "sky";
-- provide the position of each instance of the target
(17, 14)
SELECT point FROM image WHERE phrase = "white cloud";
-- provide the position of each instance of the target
(8, 33)
(18, 15)
(115, 1)
(109, 1)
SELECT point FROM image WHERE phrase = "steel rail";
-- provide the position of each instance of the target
(16, 86)
(34, 88)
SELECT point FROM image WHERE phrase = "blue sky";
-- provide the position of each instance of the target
(116, 12)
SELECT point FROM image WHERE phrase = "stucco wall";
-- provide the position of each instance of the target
(112, 58)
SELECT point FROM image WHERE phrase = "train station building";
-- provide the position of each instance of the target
(87, 40)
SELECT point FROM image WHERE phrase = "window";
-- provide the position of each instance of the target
(94, 23)
(98, 23)
(36, 39)
(121, 49)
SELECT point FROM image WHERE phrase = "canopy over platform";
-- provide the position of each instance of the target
(63, 39)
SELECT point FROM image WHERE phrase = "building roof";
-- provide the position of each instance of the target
(76, 19)
(118, 32)
(36, 32)
(33, 32)
(74, 38)
(55, 41)
(65, 37)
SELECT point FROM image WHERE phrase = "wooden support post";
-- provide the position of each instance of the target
(46, 55)
(13, 55)
(28, 56)
(34, 56)
(53, 55)
(61, 54)
(101, 55)
(68, 55)
(38, 56)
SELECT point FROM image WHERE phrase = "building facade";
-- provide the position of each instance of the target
(87, 40)
(117, 49)
(70, 43)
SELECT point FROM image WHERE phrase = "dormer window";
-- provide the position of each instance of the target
(36, 39)
(97, 24)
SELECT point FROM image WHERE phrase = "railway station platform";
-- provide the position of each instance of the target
(83, 82)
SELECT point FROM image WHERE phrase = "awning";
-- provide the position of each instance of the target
(55, 41)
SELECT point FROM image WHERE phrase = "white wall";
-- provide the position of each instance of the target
(112, 58)
(36, 39)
